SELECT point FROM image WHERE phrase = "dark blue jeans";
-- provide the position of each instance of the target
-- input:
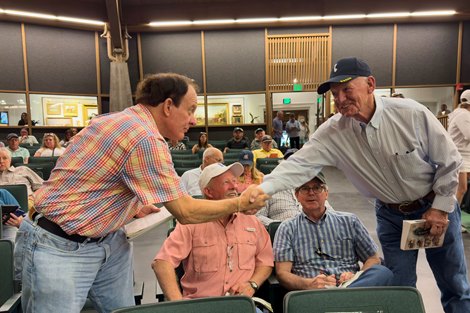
(447, 263)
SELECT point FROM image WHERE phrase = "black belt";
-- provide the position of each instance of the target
(55, 229)
(411, 206)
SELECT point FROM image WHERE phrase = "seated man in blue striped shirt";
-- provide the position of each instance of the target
(320, 247)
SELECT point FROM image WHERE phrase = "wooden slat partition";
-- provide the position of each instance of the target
(443, 119)
(300, 57)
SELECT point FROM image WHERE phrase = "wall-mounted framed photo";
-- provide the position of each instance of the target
(52, 108)
(59, 121)
(237, 119)
(70, 109)
(236, 109)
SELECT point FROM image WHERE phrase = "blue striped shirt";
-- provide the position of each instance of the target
(400, 155)
(339, 235)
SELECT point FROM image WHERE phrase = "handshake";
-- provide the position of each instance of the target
(252, 199)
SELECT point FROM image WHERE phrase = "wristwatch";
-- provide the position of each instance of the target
(253, 285)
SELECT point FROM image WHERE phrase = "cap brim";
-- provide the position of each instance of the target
(337, 79)
(245, 162)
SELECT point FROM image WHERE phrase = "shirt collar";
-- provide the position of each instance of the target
(379, 108)
(321, 220)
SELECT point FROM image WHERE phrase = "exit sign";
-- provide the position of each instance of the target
(298, 87)
(286, 100)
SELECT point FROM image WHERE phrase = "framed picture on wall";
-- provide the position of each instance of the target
(59, 121)
(236, 109)
(70, 109)
(217, 113)
(52, 108)
(200, 114)
(237, 119)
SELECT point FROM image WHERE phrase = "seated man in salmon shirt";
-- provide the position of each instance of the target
(230, 256)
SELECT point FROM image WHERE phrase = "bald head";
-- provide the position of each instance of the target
(211, 156)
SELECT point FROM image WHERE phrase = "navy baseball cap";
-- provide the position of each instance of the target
(246, 157)
(345, 70)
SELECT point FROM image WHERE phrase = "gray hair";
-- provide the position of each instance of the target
(7, 151)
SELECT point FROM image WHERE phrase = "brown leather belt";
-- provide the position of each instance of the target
(411, 206)
(55, 229)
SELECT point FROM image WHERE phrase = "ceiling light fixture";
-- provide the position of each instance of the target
(257, 20)
(212, 22)
(303, 18)
(170, 23)
(51, 17)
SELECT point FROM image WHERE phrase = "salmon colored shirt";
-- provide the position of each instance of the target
(215, 257)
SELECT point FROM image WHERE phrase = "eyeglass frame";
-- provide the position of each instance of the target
(317, 189)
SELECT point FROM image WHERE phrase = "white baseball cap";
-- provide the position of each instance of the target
(217, 169)
(465, 95)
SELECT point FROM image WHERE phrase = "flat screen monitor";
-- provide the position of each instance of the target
(3, 118)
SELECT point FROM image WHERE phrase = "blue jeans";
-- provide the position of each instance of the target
(59, 274)
(376, 275)
(447, 263)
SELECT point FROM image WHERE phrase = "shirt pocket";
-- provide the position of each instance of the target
(246, 250)
(342, 247)
(206, 255)
(411, 166)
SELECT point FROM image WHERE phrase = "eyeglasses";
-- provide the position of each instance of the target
(229, 258)
(317, 189)
(49, 134)
(202, 133)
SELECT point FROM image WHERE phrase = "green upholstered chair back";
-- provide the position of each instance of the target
(370, 299)
(9, 298)
(232, 304)
(20, 192)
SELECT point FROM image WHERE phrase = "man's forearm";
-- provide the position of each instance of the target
(167, 279)
(371, 261)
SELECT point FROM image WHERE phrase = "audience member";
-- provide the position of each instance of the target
(117, 168)
(396, 151)
(202, 143)
(50, 146)
(282, 205)
(250, 175)
(232, 255)
(23, 120)
(304, 131)
(176, 145)
(443, 111)
(459, 130)
(12, 222)
(278, 127)
(238, 141)
(320, 248)
(293, 131)
(267, 150)
(26, 138)
(15, 149)
(190, 179)
(256, 143)
(69, 133)
(10, 175)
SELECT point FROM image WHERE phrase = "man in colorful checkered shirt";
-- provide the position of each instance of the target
(117, 168)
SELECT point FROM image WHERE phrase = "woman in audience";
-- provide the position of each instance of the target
(50, 146)
(202, 143)
(69, 133)
(10, 175)
(251, 175)
(26, 138)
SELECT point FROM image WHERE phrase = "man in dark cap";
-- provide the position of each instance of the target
(397, 152)
(256, 143)
(238, 141)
